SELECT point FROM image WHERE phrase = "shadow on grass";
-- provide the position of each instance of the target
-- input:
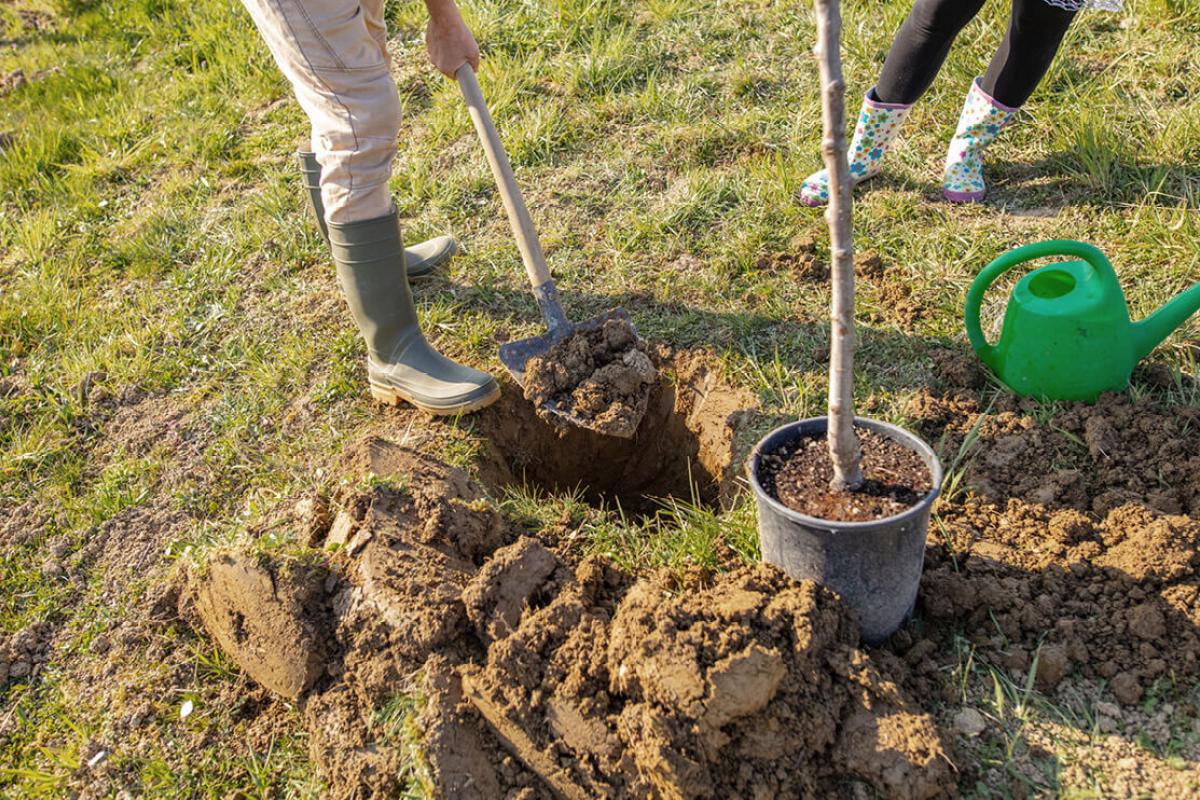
(1076, 178)
(1099, 179)
(888, 359)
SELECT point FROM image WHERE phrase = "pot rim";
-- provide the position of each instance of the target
(905, 438)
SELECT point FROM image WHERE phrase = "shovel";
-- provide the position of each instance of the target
(516, 355)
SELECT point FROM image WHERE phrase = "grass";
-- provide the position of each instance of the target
(153, 234)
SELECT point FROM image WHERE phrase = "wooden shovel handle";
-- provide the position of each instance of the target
(510, 193)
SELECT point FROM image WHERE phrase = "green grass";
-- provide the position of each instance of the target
(154, 234)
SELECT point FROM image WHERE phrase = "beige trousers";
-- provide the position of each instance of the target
(334, 53)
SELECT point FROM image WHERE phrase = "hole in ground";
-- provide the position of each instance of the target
(689, 445)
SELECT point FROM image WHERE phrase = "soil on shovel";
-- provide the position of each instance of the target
(601, 374)
(544, 680)
(799, 472)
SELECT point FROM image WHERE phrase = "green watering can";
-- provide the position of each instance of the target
(1067, 333)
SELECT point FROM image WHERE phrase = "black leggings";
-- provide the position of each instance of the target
(1035, 32)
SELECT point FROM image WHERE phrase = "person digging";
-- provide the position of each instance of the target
(334, 54)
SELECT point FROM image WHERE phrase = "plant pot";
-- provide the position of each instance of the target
(875, 566)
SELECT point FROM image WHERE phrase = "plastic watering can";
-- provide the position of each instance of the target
(1067, 333)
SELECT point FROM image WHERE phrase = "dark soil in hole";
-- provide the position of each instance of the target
(798, 475)
(602, 374)
(691, 444)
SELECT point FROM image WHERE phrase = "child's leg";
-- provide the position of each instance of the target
(920, 47)
(915, 58)
(1034, 34)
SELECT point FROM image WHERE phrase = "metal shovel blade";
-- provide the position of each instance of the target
(515, 357)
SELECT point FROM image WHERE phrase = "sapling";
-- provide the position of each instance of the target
(844, 448)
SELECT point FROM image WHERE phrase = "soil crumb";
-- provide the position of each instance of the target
(537, 679)
(602, 374)
(798, 475)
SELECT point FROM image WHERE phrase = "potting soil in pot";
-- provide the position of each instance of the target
(602, 374)
(799, 474)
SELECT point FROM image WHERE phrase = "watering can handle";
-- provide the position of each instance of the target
(1013, 258)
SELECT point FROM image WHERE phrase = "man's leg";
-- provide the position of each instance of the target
(340, 75)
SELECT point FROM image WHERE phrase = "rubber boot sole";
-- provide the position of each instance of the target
(390, 396)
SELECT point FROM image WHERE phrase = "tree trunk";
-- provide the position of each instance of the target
(844, 448)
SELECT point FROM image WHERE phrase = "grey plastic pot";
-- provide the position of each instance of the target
(875, 566)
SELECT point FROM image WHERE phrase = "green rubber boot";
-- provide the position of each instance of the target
(401, 364)
(422, 259)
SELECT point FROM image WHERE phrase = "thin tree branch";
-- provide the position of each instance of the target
(844, 449)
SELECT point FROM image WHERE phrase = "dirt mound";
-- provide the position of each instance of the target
(1094, 457)
(539, 680)
(691, 444)
(1114, 600)
(1080, 551)
(750, 687)
(601, 374)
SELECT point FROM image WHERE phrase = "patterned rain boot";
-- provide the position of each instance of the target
(878, 125)
(983, 117)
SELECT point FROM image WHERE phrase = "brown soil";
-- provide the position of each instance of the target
(1081, 547)
(692, 443)
(799, 474)
(602, 375)
(1070, 548)
(542, 680)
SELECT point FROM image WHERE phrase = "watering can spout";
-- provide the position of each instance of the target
(1151, 331)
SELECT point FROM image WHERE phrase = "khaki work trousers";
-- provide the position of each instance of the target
(334, 54)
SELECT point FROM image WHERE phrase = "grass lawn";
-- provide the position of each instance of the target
(156, 254)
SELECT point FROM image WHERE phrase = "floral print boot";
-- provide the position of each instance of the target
(983, 117)
(878, 125)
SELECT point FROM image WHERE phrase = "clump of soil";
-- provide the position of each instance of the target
(691, 445)
(269, 620)
(546, 681)
(601, 374)
(798, 474)
(24, 652)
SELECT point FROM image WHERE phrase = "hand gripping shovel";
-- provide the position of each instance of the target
(515, 355)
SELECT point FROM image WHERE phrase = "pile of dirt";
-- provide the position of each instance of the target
(692, 443)
(601, 374)
(544, 680)
(799, 473)
(1079, 550)
(747, 686)
(1114, 600)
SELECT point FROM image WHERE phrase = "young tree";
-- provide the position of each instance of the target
(844, 447)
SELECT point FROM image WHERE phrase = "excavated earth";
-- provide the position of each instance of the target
(543, 680)
(601, 375)
(1067, 547)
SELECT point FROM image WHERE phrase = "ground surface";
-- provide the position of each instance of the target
(175, 365)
